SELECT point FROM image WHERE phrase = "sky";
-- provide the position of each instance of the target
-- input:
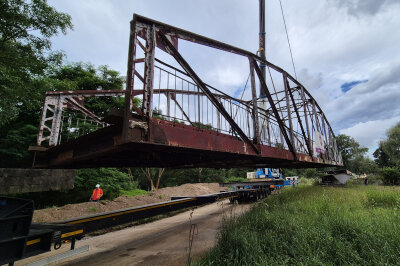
(346, 52)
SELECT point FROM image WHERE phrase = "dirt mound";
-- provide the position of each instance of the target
(88, 208)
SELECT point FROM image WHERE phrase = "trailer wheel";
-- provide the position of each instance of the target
(57, 244)
(264, 193)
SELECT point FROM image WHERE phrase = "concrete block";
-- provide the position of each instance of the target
(18, 180)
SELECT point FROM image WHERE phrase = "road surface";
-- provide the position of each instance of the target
(162, 242)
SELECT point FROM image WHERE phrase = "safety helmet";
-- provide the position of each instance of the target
(97, 185)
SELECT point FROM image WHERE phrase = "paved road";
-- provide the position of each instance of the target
(163, 242)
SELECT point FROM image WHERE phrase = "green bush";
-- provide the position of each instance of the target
(310, 173)
(308, 181)
(290, 172)
(390, 175)
(374, 179)
(385, 199)
(236, 179)
(111, 180)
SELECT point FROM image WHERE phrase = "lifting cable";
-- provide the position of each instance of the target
(287, 36)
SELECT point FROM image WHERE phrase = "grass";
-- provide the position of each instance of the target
(133, 192)
(312, 225)
(92, 209)
(236, 179)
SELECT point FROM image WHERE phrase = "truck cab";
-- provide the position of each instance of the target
(265, 173)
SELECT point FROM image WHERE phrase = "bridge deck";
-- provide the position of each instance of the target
(183, 121)
(172, 145)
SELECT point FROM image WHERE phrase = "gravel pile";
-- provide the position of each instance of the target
(69, 211)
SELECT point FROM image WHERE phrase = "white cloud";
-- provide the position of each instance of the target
(362, 7)
(368, 134)
(333, 42)
(377, 99)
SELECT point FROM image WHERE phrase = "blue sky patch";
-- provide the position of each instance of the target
(349, 85)
(238, 92)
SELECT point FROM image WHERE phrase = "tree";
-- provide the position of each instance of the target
(14, 146)
(310, 173)
(111, 180)
(150, 173)
(381, 158)
(17, 135)
(85, 76)
(351, 152)
(390, 175)
(362, 164)
(25, 51)
(388, 152)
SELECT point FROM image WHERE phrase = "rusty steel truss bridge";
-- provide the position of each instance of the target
(182, 121)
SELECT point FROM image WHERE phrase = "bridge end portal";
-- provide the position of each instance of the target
(182, 120)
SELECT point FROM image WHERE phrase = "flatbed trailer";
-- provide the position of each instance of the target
(253, 190)
(42, 237)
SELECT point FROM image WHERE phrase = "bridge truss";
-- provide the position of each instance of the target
(183, 121)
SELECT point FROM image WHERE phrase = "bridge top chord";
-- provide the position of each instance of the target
(183, 121)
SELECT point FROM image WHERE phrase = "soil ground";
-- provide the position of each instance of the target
(162, 242)
(69, 211)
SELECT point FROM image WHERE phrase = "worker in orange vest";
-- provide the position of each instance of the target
(97, 193)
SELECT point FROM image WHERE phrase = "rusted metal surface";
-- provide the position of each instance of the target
(256, 127)
(173, 145)
(149, 72)
(205, 90)
(301, 123)
(88, 93)
(278, 118)
(57, 101)
(185, 122)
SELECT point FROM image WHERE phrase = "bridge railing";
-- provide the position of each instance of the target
(65, 117)
(286, 117)
(177, 98)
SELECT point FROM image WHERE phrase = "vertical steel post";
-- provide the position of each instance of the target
(287, 88)
(282, 126)
(198, 104)
(202, 86)
(55, 126)
(317, 125)
(149, 73)
(129, 79)
(42, 122)
(256, 127)
(168, 105)
(306, 119)
(268, 129)
(218, 117)
(301, 124)
(325, 134)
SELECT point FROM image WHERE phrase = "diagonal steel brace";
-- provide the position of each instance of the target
(301, 124)
(178, 57)
(272, 104)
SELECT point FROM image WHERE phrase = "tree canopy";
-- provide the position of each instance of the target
(20, 133)
(354, 156)
(388, 152)
(25, 51)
